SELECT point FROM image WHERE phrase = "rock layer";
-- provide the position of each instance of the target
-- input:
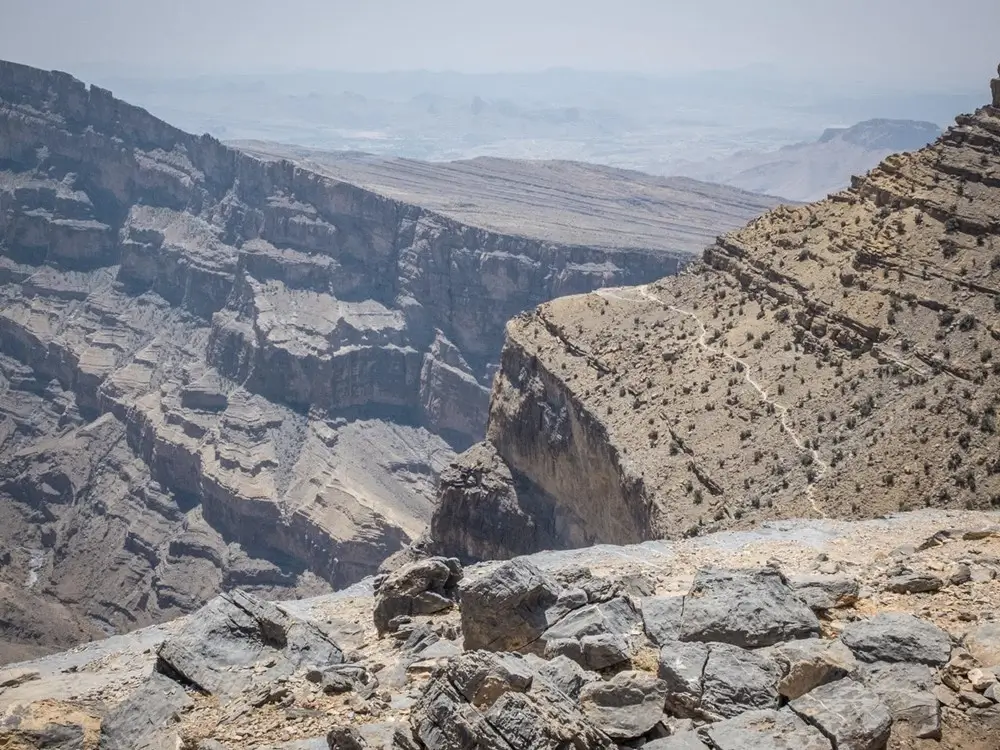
(218, 370)
(832, 360)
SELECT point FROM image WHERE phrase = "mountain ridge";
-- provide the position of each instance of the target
(763, 382)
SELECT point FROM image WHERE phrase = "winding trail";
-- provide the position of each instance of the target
(822, 466)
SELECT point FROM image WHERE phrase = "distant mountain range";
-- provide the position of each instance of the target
(811, 170)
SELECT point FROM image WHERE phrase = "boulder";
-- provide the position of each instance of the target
(236, 640)
(907, 690)
(849, 714)
(822, 592)
(681, 667)
(543, 720)
(746, 609)
(345, 738)
(148, 719)
(596, 636)
(441, 719)
(661, 618)
(911, 582)
(897, 637)
(506, 610)
(626, 706)
(766, 730)
(564, 674)
(681, 741)
(737, 680)
(481, 677)
(811, 662)
(983, 643)
(423, 587)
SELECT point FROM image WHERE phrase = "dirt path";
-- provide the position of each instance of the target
(822, 466)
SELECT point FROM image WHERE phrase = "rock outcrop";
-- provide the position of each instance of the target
(832, 360)
(243, 673)
(219, 370)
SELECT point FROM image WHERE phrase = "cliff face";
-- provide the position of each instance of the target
(221, 370)
(832, 360)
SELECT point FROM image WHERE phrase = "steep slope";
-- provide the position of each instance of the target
(834, 360)
(810, 171)
(220, 371)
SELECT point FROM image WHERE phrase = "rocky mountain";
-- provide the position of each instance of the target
(837, 360)
(812, 635)
(811, 170)
(219, 370)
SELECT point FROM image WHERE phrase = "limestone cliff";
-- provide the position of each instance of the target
(833, 360)
(221, 370)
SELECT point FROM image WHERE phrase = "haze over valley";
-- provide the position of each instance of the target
(524, 376)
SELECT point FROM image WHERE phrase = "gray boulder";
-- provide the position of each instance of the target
(506, 610)
(681, 667)
(848, 713)
(481, 677)
(148, 719)
(983, 643)
(543, 720)
(661, 618)
(345, 738)
(441, 719)
(51, 736)
(236, 641)
(738, 680)
(766, 730)
(423, 587)
(910, 582)
(747, 609)
(626, 706)
(596, 636)
(907, 690)
(564, 674)
(822, 592)
(897, 637)
(680, 741)
(811, 662)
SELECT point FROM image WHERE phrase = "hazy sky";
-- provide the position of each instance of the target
(946, 41)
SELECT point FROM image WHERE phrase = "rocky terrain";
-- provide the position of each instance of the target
(811, 170)
(837, 360)
(221, 371)
(804, 634)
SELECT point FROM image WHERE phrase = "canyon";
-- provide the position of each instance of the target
(223, 370)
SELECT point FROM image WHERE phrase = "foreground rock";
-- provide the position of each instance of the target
(420, 588)
(243, 673)
(223, 649)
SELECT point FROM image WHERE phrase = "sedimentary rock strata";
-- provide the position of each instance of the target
(218, 370)
(831, 360)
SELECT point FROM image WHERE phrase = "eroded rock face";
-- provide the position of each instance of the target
(222, 370)
(831, 360)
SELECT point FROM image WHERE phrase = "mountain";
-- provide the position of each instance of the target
(809, 171)
(833, 360)
(220, 371)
